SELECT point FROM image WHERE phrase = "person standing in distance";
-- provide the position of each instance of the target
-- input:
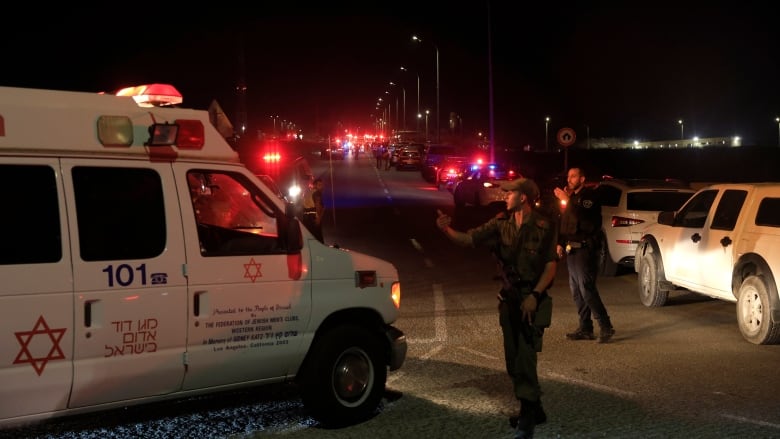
(578, 238)
(523, 241)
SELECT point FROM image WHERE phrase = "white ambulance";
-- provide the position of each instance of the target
(141, 261)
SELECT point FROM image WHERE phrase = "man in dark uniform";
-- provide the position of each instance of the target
(523, 241)
(578, 238)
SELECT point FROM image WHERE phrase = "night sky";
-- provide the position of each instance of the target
(624, 69)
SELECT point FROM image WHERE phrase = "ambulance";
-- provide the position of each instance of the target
(141, 261)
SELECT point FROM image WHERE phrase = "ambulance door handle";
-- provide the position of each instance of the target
(88, 313)
(196, 304)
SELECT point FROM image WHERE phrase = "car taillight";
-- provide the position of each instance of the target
(619, 221)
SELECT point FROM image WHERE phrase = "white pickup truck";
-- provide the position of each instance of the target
(724, 242)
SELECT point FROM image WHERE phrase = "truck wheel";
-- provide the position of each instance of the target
(650, 293)
(753, 312)
(345, 377)
(606, 266)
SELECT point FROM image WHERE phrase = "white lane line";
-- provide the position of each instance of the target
(478, 353)
(752, 421)
(439, 322)
(607, 389)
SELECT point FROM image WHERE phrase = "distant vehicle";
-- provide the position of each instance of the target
(481, 185)
(408, 158)
(434, 156)
(450, 172)
(628, 206)
(334, 152)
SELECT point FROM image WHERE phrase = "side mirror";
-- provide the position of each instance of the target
(666, 218)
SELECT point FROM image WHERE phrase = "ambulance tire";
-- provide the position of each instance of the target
(345, 378)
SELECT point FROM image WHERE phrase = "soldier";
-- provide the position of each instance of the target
(523, 241)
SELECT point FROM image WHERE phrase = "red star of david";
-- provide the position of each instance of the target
(252, 270)
(25, 337)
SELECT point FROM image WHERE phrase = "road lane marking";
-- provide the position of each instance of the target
(752, 421)
(594, 386)
(478, 353)
(439, 322)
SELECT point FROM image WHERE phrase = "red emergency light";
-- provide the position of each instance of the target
(153, 95)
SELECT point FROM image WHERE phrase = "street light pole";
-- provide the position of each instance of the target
(777, 119)
(438, 94)
(682, 129)
(427, 112)
(546, 137)
(404, 69)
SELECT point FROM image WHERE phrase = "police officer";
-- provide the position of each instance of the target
(578, 238)
(523, 241)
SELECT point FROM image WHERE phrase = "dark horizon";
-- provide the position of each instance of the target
(622, 71)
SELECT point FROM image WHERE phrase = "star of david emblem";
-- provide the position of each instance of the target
(252, 270)
(41, 329)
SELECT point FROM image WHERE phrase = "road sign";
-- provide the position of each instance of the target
(566, 137)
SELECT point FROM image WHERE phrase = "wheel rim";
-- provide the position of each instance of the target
(644, 281)
(353, 376)
(751, 310)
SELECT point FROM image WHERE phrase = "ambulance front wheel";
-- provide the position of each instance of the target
(345, 377)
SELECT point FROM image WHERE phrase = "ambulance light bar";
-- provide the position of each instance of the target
(153, 95)
(183, 133)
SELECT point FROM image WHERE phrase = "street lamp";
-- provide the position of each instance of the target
(777, 119)
(438, 115)
(546, 125)
(427, 112)
(274, 119)
(682, 129)
(404, 69)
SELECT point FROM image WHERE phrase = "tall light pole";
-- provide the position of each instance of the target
(427, 112)
(546, 137)
(404, 69)
(777, 119)
(682, 129)
(438, 115)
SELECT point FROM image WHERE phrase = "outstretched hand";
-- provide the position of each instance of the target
(443, 220)
(561, 194)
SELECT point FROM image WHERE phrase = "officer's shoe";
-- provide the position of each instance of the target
(526, 422)
(540, 417)
(606, 334)
(581, 335)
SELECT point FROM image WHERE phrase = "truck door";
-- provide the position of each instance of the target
(249, 300)
(36, 290)
(130, 302)
(682, 246)
(718, 244)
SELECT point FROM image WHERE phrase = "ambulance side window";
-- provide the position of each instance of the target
(233, 216)
(120, 213)
(31, 219)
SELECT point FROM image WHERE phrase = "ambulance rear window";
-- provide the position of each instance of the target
(120, 213)
(31, 216)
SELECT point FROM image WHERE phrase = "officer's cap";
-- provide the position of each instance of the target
(524, 186)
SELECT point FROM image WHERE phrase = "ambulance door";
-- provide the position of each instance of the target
(130, 301)
(36, 290)
(249, 299)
